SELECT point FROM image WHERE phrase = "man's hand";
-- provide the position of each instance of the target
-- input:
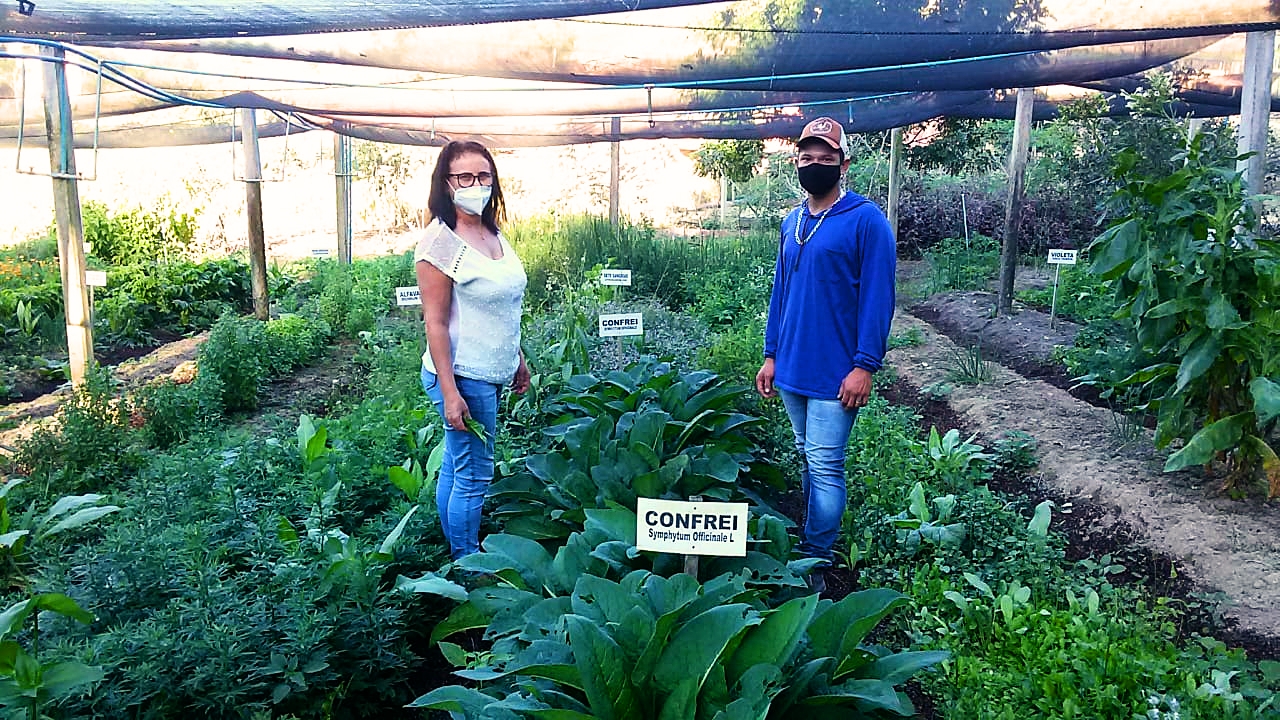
(764, 380)
(854, 390)
(520, 383)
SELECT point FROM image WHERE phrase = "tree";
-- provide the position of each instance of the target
(728, 160)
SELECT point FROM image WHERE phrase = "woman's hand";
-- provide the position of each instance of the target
(456, 412)
(520, 383)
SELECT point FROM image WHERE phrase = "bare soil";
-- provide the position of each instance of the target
(1172, 525)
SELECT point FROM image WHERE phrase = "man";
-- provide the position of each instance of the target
(828, 327)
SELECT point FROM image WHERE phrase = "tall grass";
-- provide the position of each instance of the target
(557, 251)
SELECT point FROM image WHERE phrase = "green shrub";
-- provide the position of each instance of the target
(174, 413)
(90, 445)
(1082, 296)
(236, 353)
(293, 342)
(957, 264)
(136, 236)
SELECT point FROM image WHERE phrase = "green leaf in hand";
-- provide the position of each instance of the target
(475, 428)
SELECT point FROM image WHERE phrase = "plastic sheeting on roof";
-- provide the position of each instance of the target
(79, 20)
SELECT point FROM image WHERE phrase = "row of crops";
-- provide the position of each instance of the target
(170, 549)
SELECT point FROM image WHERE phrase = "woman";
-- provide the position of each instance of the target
(472, 286)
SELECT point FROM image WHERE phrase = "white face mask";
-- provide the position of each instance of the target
(472, 200)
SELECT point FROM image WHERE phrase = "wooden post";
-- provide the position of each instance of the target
(1255, 108)
(1013, 204)
(342, 170)
(253, 208)
(691, 562)
(615, 169)
(60, 137)
(895, 177)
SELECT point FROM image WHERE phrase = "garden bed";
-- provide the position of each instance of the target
(1114, 484)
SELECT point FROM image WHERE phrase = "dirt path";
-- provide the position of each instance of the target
(1231, 547)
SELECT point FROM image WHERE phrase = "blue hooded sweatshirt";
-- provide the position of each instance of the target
(833, 296)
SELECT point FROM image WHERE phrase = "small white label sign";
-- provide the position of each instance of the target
(1062, 257)
(691, 528)
(615, 277)
(621, 324)
(408, 296)
(319, 252)
(95, 278)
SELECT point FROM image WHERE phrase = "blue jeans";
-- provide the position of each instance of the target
(822, 430)
(467, 468)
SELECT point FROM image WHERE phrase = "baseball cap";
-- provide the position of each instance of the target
(829, 131)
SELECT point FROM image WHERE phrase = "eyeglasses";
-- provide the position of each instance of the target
(469, 179)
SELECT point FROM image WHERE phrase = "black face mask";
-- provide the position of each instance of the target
(818, 179)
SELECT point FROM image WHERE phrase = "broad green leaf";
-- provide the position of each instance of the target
(565, 675)
(8, 539)
(1199, 358)
(754, 694)
(453, 654)
(614, 523)
(869, 695)
(898, 668)
(61, 678)
(559, 714)
(838, 629)
(528, 558)
(774, 640)
(919, 506)
(548, 467)
(698, 644)
(1168, 308)
(431, 584)
(388, 546)
(455, 699)
(1114, 250)
(69, 503)
(405, 481)
(81, 517)
(306, 431)
(463, 618)
(434, 461)
(602, 600)
(604, 671)
(1210, 440)
(1266, 399)
(9, 485)
(62, 605)
(1221, 314)
(682, 702)
(14, 616)
(1039, 525)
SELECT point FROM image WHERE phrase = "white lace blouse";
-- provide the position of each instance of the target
(484, 317)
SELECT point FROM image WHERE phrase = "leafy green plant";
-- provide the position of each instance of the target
(1199, 291)
(917, 526)
(18, 530)
(1015, 451)
(645, 432)
(28, 685)
(967, 366)
(171, 413)
(236, 354)
(649, 646)
(89, 445)
(956, 462)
